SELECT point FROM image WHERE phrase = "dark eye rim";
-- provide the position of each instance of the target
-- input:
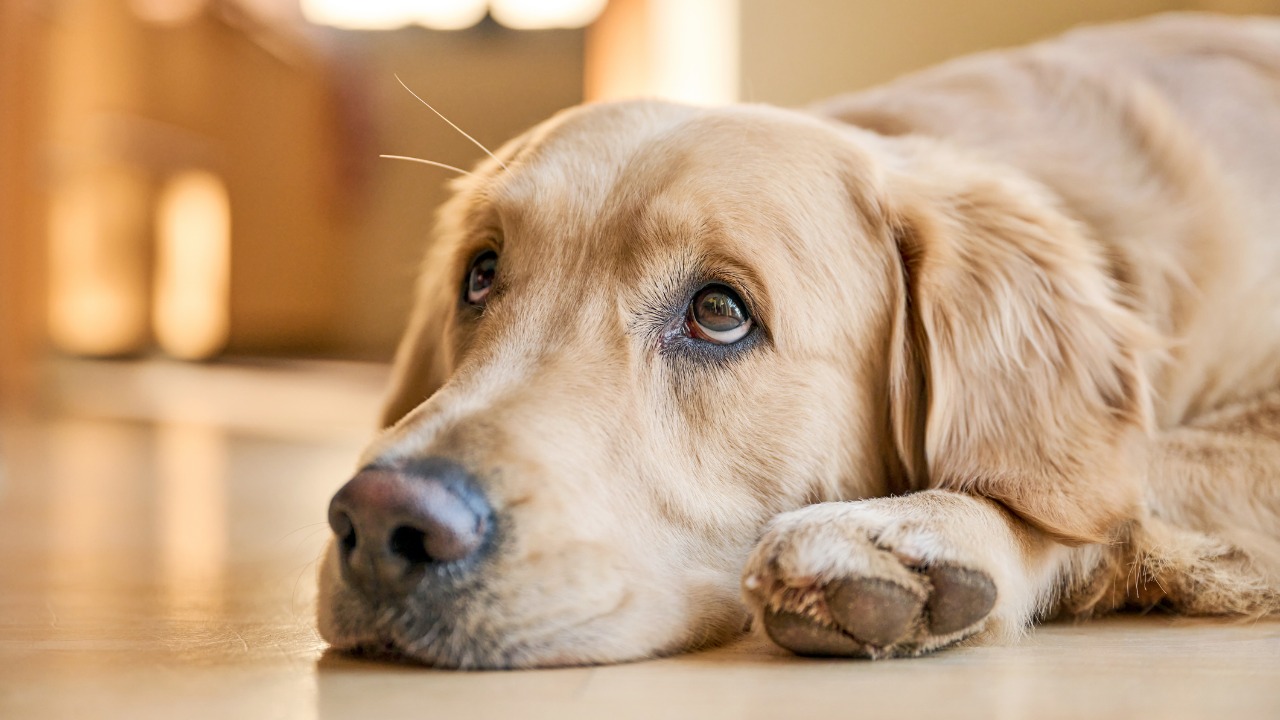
(679, 345)
(465, 294)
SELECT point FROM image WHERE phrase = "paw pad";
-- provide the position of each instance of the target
(873, 617)
(876, 612)
(960, 598)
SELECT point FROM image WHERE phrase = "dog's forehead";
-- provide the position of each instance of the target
(624, 170)
(576, 159)
(595, 158)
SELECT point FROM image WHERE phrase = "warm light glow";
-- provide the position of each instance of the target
(541, 14)
(193, 266)
(683, 50)
(695, 50)
(191, 488)
(358, 14)
(391, 14)
(97, 262)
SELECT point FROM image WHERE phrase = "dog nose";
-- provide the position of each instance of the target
(392, 523)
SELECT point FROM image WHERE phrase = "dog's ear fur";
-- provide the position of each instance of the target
(1015, 370)
(424, 358)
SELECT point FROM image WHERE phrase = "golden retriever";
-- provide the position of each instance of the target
(995, 342)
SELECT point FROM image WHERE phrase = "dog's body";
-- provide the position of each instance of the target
(1009, 347)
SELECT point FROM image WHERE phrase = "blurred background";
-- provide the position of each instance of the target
(186, 181)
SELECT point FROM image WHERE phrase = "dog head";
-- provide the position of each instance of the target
(647, 328)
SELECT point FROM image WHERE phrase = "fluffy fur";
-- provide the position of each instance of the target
(1017, 355)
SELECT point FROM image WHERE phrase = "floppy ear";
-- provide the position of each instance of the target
(424, 358)
(1015, 373)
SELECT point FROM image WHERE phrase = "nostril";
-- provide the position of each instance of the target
(411, 544)
(345, 530)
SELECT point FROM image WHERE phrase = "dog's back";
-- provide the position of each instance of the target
(1163, 137)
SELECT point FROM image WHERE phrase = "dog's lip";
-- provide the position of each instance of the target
(545, 649)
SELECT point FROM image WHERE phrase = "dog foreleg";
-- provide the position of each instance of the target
(901, 576)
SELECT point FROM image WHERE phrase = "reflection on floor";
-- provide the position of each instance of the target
(157, 544)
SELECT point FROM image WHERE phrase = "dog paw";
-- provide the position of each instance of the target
(837, 580)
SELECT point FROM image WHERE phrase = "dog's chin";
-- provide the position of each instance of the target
(617, 631)
(448, 649)
(478, 657)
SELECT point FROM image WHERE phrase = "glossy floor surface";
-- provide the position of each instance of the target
(158, 537)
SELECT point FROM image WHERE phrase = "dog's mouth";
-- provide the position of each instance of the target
(388, 650)
(477, 628)
(397, 638)
(401, 640)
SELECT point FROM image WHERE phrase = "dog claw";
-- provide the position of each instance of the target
(960, 598)
(876, 612)
(806, 636)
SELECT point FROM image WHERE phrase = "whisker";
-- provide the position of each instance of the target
(455, 127)
(293, 596)
(426, 162)
(308, 526)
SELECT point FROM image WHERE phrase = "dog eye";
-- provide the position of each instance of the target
(718, 315)
(480, 278)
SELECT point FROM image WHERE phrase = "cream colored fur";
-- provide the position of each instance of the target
(1019, 315)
